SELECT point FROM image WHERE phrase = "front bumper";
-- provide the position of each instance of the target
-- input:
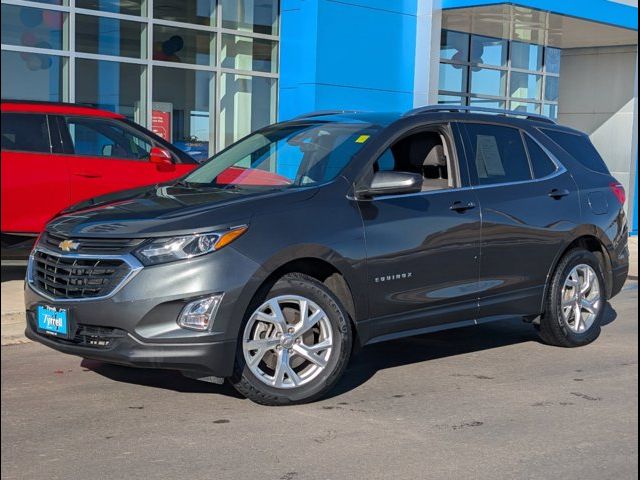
(215, 359)
(144, 313)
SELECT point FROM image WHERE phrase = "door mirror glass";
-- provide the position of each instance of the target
(162, 159)
(392, 183)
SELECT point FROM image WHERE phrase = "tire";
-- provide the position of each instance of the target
(558, 324)
(277, 373)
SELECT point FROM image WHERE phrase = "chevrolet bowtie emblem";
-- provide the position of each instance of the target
(68, 245)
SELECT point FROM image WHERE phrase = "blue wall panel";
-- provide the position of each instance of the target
(348, 54)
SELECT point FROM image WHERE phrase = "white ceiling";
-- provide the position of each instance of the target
(535, 26)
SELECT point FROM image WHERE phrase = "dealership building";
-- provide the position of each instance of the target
(204, 73)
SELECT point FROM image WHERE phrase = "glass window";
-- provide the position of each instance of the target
(551, 89)
(32, 27)
(485, 81)
(32, 76)
(25, 132)
(550, 110)
(182, 109)
(127, 7)
(259, 16)
(552, 60)
(453, 78)
(285, 156)
(108, 36)
(111, 86)
(450, 100)
(542, 165)
(527, 107)
(486, 102)
(200, 12)
(105, 138)
(246, 104)
(580, 148)
(524, 85)
(489, 51)
(499, 154)
(526, 56)
(182, 45)
(454, 46)
(245, 53)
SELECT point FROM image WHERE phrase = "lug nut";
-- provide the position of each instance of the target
(291, 330)
(298, 340)
(278, 347)
(291, 350)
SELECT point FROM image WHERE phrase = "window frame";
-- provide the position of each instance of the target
(523, 131)
(48, 126)
(449, 130)
(68, 147)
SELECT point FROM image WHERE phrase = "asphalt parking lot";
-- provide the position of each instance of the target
(481, 402)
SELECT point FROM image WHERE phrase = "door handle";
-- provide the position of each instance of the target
(558, 193)
(462, 207)
(88, 175)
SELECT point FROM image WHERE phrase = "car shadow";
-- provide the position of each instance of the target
(12, 273)
(365, 363)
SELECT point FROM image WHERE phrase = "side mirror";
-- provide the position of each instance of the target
(392, 183)
(162, 159)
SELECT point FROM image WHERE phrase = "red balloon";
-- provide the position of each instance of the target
(28, 39)
(52, 19)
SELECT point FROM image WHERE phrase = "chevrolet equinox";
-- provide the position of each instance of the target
(269, 264)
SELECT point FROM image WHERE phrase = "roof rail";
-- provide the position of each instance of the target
(324, 113)
(493, 111)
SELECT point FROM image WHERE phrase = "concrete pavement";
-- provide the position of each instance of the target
(486, 402)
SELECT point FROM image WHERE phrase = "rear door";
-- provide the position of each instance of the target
(106, 155)
(529, 203)
(35, 182)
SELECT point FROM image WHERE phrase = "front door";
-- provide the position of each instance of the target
(107, 156)
(422, 249)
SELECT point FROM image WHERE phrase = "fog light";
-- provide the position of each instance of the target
(199, 314)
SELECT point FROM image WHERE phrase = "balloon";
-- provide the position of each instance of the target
(30, 17)
(52, 19)
(28, 39)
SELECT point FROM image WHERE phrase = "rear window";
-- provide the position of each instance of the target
(25, 132)
(580, 148)
(542, 165)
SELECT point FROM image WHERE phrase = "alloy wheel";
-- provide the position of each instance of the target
(287, 341)
(581, 298)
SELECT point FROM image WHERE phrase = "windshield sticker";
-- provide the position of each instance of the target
(362, 138)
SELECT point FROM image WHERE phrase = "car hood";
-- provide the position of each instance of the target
(166, 210)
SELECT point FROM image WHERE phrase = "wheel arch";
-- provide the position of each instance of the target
(594, 240)
(323, 264)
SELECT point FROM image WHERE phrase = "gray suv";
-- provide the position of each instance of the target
(272, 262)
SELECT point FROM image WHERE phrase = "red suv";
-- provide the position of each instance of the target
(55, 155)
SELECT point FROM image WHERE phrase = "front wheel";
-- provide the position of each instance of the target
(576, 301)
(295, 343)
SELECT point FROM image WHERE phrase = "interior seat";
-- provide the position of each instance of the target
(435, 169)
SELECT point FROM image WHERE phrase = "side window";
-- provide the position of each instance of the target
(542, 165)
(25, 132)
(580, 148)
(498, 154)
(104, 138)
(421, 153)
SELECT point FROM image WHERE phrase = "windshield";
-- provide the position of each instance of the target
(290, 155)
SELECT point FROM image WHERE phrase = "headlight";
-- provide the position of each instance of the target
(188, 246)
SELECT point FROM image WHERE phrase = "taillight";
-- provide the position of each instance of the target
(618, 191)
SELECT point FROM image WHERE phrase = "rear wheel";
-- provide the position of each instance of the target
(295, 343)
(575, 302)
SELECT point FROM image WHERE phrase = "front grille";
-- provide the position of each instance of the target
(104, 246)
(69, 277)
(97, 337)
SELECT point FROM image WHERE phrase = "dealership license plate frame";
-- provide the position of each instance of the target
(63, 330)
